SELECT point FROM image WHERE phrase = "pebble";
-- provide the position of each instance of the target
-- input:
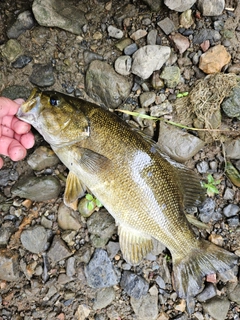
(171, 76)
(42, 158)
(147, 98)
(208, 292)
(11, 50)
(233, 221)
(179, 5)
(100, 272)
(202, 167)
(167, 25)
(83, 312)
(140, 33)
(134, 285)
(206, 34)
(34, 239)
(112, 249)
(9, 265)
(234, 68)
(123, 43)
(232, 149)
(68, 219)
(70, 267)
(58, 250)
(105, 85)
(146, 308)
(21, 62)
(59, 13)
(25, 21)
(230, 105)
(148, 59)
(7, 175)
(152, 37)
(46, 223)
(5, 234)
(161, 109)
(235, 294)
(229, 194)
(216, 239)
(179, 145)
(211, 8)
(214, 59)
(206, 210)
(114, 32)
(42, 75)
(104, 298)
(40, 188)
(154, 5)
(130, 49)
(217, 307)
(186, 19)
(123, 65)
(181, 43)
(89, 56)
(231, 210)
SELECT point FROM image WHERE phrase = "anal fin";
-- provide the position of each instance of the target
(74, 189)
(134, 245)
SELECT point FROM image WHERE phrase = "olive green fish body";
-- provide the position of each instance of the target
(142, 189)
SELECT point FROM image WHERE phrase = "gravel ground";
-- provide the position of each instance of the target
(59, 264)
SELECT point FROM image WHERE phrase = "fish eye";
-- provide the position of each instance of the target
(54, 100)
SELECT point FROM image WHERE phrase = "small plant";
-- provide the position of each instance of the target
(211, 186)
(182, 94)
(92, 202)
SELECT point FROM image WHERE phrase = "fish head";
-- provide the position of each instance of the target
(57, 117)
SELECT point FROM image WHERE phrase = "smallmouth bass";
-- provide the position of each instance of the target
(142, 189)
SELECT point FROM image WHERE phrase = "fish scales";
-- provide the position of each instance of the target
(142, 189)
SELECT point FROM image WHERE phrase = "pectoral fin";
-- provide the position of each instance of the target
(74, 189)
(134, 245)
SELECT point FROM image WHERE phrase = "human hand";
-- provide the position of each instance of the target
(15, 135)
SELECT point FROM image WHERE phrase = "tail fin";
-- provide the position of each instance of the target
(190, 271)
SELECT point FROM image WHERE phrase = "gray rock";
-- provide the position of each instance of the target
(68, 219)
(229, 194)
(70, 267)
(103, 298)
(7, 175)
(233, 221)
(147, 98)
(58, 250)
(104, 85)
(161, 109)
(179, 5)
(206, 34)
(211, 8)
(21, 62)
(59, 13)
(232, 149)
(235, 294)
(148, 59)
(123, 65)
(102, 226)
(5, 234)
(24, 22)
(14, 92)
(159, 280)
(146, 308)
(134, 285)
(167, 25)
(89, 56)
(9, 265)
(42, 75)
(202, 167)
(42, 158)
(112, 249)
(115, 32)
(126, 11)
(37, 188)
(11, 50)
(123, 43)
(130, 49)
(231, 104)
(231, 210)
(154, 5)
(206, 210)
(208, 292)
(179, 145)
(217, 307)
(34, 239)
(171, 76)
(152, 37)
(100, 272)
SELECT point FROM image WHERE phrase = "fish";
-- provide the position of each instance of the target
(144, 190)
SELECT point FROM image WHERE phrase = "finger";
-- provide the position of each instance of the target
(12, 148)
(7, 132)
(20, 126)
(1, 162)
(7, 107)
(27, 140)
(19, 101)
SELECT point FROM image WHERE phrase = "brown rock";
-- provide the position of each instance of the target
(214, 59)
(181, 42)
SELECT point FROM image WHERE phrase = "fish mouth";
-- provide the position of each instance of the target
(30, 109)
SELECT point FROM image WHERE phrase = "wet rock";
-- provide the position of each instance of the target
(68, 219)
(103, 298)
(167, 25)
(100, 271)
(11, 50)
(21, 62)
(231, 210)
(171, 76)
(130, 49)
(104, 85)
(148, 59)
(146, 307)
(42, 158)
(206, 210)
(37, 188)
(232, 149)
(231, 104)
(138, 34)
(115, 32)
(211, 8)
(217, 307)
(59, 13)
(25, 21)
(14, 92)
(181, 43)
(154, 5)
(134, 285)
(9, 265)
(147, 98)
(214, 59)
(58, 250)
(186, 19)
(152, 37)
(179, 145)
(34, 239)
(161, 109)
(42, 75)
(179, 5)
(101, 226)
(206, 34)
(123, 65)
(235, 294)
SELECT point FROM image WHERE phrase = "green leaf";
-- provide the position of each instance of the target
(90, 205)
(89, 197)
(98, 203)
